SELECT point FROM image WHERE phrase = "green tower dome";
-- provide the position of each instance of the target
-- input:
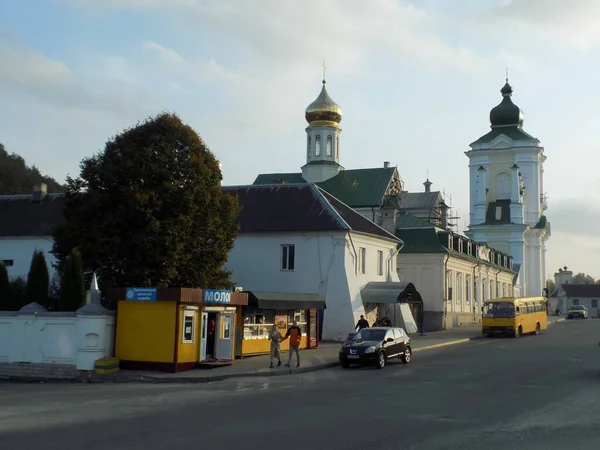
(506, 114)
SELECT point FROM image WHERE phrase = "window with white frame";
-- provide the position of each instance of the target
(468, 288)
(189, 327)
(362, 260)
(318, 145)
(449, 284)
(459, 287)
(379, 262)
(329, 146)
(288, 254)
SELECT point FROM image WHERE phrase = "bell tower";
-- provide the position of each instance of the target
(322, 138)
(507, 200)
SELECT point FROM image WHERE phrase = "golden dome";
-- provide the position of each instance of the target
(323, 111)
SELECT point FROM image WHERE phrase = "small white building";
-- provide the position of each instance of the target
(567, 294)
(297, 238)
(26, 224)
(454, 273)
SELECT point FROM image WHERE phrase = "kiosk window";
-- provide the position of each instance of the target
(189, 325)
(226, 327)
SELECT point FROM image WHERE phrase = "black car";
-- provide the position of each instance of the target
(375, 346)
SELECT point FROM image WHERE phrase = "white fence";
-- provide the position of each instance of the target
(35, 335)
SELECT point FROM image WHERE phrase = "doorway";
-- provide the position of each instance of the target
(208, 352)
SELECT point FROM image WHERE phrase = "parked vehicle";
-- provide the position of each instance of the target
(514, 316)
(376, 346)
(577, 311)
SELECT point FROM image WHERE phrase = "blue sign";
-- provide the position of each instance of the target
(214, 296)
(141, 294)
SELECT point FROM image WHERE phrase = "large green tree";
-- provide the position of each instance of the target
(16, 177)
(38, 279)
(149, 210)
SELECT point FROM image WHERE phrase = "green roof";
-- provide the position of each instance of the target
(278, 178)
(420, 240)
(410, 221)
(513, 132)
(356, 188)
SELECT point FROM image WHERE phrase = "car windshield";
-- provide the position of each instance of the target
(499, 310)
(577, 307)
(367, 334)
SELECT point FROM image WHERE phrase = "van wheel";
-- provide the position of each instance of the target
(380, 360)
(537, 329)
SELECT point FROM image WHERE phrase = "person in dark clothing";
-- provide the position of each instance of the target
(362, 323)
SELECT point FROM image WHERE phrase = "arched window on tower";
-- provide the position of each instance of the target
(337, 147)
(328, 148)
(318, 145)
(308, 145)
(502, 186)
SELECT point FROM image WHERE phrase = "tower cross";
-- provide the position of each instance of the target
(507, 74)
(324, 70)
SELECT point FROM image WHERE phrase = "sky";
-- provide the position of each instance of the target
(415, 79)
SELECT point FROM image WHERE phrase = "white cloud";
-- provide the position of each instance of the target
(575, 23)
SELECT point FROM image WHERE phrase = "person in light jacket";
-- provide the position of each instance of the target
(275, 338)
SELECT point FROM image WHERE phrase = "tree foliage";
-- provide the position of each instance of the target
(18, 289)
(38, 279)
(583, 278)
(149, 210)
(18, 178)
(5, 291)
(72, 286)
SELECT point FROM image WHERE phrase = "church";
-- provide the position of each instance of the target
(507, 198)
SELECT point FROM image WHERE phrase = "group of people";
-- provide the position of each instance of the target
(380, 322)
(294, 334)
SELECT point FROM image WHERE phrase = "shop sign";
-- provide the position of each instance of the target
(214, 296)
(141, 294)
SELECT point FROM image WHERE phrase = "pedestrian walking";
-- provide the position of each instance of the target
(294, 334)
(275, 338)
(362, 323)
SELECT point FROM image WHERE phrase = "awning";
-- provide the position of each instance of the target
(285, 300)
(389, 292)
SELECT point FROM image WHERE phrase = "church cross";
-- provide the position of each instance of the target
(324, 70)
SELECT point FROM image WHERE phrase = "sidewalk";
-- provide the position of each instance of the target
(323, 357)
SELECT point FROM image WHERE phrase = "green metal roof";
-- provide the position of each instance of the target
(512, 132)
(286, 300)
(278, 178)
(410, 221)
(356, 188)
(420, 240)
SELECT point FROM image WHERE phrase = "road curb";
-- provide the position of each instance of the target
(118, 378)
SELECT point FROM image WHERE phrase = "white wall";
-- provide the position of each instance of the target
(325, 263)
(20, 250)
(56, 338)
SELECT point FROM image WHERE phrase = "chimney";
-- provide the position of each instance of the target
(386, 164)
(39, 192)
(427, 185)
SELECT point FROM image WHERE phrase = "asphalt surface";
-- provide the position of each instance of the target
(536, 392)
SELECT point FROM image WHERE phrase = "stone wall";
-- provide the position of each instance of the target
(40, 371)
(37, 343)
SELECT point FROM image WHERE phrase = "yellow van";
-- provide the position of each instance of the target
(514, 316)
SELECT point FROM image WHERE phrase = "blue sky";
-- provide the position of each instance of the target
(416, 81)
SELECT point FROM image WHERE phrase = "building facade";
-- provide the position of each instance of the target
(297, 238)
(507, 198)
(26, 225)
(455, 274)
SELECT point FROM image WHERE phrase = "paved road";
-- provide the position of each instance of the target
(538, 392)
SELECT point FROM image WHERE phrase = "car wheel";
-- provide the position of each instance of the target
(407, 357)
(518, 332)
(344, 364)
(537, 328)
(380, 360)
